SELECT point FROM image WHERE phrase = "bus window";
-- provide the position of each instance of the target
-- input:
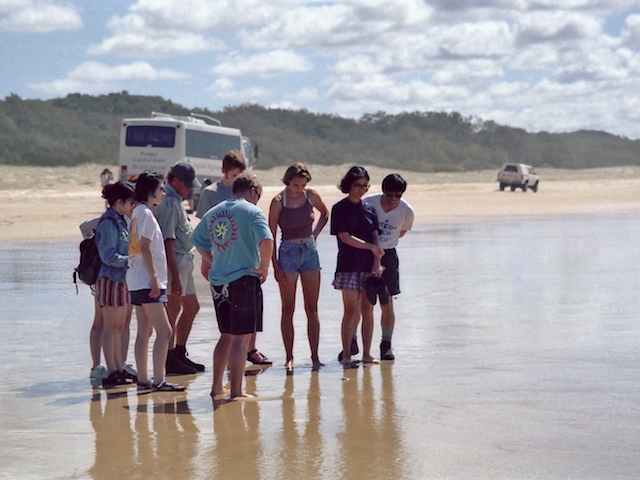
(151, 136)
(209, 145)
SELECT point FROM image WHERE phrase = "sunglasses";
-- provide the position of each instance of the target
(393, 194)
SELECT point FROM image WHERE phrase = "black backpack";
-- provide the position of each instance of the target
(90, 263)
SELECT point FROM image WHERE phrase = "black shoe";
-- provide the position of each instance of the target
(116, 378)
(181, 352)
(386, 352)
(175, 365)
(354, 349)
(112, 380)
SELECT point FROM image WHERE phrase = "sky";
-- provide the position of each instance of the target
(541, 65)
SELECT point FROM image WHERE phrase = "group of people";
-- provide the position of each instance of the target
(148, 261)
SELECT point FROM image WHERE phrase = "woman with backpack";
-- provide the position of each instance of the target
(147, 282)
(112, 242)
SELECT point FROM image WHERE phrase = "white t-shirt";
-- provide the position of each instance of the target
(391, 223)
(144, 224)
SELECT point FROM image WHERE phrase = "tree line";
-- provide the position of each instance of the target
(80, 128)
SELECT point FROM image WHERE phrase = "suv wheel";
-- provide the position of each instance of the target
(524, 187)
(502, 185)
(513, 188)
(535, 187)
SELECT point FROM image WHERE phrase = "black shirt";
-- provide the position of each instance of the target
(359, 220)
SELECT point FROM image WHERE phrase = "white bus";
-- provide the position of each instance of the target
(156, 143)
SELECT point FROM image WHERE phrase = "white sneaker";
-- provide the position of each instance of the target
(99, 372)
(129, 369)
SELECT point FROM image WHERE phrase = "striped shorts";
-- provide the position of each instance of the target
(350, 280)
(112, 294)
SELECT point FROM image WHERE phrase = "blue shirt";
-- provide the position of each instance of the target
(232, 232)
(113, 246)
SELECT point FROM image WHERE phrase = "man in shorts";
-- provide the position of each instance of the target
(395, 218)
(233, 164)
(235, 239)
(182, 304)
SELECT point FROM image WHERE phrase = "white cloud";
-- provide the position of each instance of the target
(558, 27)
(466, 73)
(93, 77)
(225, 90)
(263, 64)
(27, 16)
(139, 44)
(631, 32)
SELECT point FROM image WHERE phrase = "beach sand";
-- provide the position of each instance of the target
(52, 208)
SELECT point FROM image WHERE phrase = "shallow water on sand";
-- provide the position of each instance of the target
(517, 357)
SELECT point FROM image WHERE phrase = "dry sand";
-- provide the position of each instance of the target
(40, 204)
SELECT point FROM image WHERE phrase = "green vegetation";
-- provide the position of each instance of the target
(81, 129)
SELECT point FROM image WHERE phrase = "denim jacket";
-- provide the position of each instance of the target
(113, 247)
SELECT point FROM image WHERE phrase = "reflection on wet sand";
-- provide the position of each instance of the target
(370, 424)
(162, 443)
(503, 366)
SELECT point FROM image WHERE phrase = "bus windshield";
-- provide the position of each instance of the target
(151, 136)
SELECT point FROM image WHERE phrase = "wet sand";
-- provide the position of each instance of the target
(504, 370)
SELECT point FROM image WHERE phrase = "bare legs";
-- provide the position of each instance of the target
(95, 336)
(311, 290)
(367, 329)
(230, 350)
(152, 316)
(181, 326)
(356, 305)
(114, 321)
(351, 300)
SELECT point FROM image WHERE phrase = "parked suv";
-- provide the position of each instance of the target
(518, 175)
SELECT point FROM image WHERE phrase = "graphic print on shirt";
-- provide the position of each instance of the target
(224, 230)
(134, 246)
(385, 230)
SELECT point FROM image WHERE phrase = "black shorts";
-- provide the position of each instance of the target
(138, 297)
(238, 305)
(391, 274)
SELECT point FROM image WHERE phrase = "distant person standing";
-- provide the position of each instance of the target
(234, 237)
(233, 164)
(182, 306)
(106, 178)
(395, 218)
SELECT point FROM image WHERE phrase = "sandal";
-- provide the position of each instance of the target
(163, 386)
(142, 386)
(262, 360)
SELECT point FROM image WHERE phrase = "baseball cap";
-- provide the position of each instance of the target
(185, 172)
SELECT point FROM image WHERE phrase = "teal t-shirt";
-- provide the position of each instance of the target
(232, 231)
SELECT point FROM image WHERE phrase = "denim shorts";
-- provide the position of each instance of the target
(298, 257)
